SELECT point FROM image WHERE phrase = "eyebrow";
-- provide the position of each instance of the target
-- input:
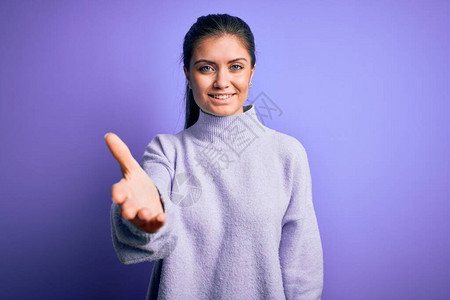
(213, 63)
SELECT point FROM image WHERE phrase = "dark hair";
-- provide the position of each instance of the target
(205, 27)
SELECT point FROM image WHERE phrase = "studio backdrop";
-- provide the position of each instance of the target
(363, 85)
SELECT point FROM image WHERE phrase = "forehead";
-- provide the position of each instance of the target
(220, 48)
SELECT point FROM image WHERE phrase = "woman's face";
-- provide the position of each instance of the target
(220, 66)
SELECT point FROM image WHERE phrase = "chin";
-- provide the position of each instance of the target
(224, 110)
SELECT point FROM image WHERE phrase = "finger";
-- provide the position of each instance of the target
(120, 192)
(145, 222)
(144, 214)
(161, 218)
(129, 210)
(120, 152)
(155, 223)
(138, 222)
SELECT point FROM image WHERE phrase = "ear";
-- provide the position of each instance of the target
(186, 73)
(252, 72)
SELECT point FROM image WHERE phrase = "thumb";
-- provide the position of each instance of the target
(121, 153)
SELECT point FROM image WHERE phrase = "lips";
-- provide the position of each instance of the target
(221, 96)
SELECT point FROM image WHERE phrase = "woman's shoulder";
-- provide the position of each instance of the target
(168, 143)
(288, 145)
(170, 139)
(163, 144)
(165, 138)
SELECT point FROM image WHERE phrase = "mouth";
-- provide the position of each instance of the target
(221, 96)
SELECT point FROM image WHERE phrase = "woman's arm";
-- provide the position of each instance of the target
(135, 239)
(301, 254)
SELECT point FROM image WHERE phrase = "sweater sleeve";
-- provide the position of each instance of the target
(301, 256)
(132, 244)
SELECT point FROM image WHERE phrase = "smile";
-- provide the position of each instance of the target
(221, 97)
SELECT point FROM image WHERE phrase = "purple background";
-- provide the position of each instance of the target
(364, 85)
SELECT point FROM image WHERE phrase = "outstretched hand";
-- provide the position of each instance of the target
(135, 192)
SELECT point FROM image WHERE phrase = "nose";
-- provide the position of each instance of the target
(222, 79)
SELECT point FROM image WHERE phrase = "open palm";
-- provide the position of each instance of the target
(136, 193)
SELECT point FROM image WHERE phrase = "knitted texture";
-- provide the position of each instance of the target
(240, 220)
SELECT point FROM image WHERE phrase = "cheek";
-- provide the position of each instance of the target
(243, 79)
(242, 83)
(201, 83)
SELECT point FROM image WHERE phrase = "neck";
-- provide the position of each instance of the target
(232, 130)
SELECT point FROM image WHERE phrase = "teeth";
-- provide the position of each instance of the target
(222, 97)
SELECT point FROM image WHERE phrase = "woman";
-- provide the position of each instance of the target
(224, 207)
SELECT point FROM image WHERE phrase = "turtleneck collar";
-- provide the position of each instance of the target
(235, 129)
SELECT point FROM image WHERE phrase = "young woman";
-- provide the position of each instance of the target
(224, 207)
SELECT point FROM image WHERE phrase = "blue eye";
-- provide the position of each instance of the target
(202, 68)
